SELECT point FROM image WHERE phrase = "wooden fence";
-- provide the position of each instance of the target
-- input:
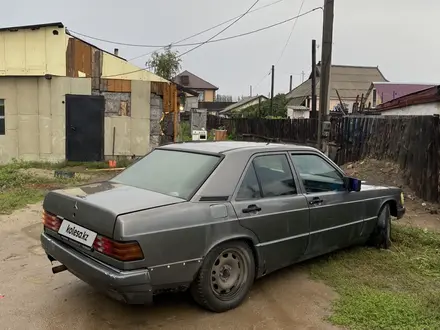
(411, 141)
(276, 130)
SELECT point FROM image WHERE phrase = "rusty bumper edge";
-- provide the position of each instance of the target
(132, 287)
(401, 212)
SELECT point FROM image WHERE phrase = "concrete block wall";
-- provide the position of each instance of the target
(35, 116)
(132, 133)
(155, 116)
(198, 119)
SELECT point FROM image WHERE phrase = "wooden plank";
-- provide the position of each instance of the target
(126, 86)
(70, 53)
(82, 59)
(118, 85)
(111, 85)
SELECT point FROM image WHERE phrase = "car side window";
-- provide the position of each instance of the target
(275, 175)
(249, 188)
(317, 175)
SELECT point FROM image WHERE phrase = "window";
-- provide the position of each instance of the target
(2, 117)
(249, 189)
(275, 176)
(317, 175)
(272, 173)
(201, 96)
(158, 172)
(374, 97)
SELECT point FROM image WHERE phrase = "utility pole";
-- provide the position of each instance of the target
(290, 86)
(259, 107)
(271, 89)
(250, 91)
(303, 74)
(324, 78)
(313, 113)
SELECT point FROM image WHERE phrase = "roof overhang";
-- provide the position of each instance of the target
(33, 27)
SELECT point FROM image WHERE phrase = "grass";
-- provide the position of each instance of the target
(122, 162)
(19, 188)
(386, 289)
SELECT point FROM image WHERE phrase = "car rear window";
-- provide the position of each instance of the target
(170, 172)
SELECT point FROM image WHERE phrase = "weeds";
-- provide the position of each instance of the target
(380, 289)
(19, 185)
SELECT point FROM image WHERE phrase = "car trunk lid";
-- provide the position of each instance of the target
(96, 206)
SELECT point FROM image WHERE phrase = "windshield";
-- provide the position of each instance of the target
(169, 172)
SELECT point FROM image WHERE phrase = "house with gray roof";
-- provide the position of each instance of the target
(205, 89)
(350, 81)
(243, 104)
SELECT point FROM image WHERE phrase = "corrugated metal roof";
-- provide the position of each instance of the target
(195, 82)
(243, 102)
(421, 97)
(350, 81)
(296, 101)
(297, 107)
(391, 91)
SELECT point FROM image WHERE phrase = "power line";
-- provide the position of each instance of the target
(223, 30)
(262, 79)
(172, 43)
(241, 34)
(290, 35)
(235, 36)
(175, 43)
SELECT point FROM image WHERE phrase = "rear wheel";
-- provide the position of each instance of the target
(225, 277)
(381, 237)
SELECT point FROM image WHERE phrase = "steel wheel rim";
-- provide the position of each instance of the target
(228, 273)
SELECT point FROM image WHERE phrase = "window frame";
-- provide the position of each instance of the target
(250, 162)
(328, 161)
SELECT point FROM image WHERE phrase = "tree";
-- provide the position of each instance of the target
(223, 98)
(165, 64)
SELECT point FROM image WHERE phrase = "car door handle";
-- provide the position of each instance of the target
(251, 208)
(316, 200)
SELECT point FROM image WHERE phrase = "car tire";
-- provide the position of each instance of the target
(381, 237)
(225, 278)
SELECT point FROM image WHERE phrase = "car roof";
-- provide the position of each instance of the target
(222, 147)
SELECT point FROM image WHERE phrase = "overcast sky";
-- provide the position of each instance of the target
(399, 36)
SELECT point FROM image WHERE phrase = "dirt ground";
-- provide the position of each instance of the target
(418, 213)
(31, 297)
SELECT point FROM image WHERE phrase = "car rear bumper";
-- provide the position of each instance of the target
(132, 287)
(401, 212)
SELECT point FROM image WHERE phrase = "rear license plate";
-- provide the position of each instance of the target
(77, 233)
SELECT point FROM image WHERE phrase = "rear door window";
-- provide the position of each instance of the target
(275, 175)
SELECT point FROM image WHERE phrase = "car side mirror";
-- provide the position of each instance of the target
(352, 184)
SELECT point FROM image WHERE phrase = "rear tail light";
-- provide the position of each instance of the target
(51, 221)
(129, 251)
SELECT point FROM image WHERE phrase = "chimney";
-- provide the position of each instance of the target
(184, 80)
(116, 52)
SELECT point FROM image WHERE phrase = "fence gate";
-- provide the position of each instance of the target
(85, 127)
